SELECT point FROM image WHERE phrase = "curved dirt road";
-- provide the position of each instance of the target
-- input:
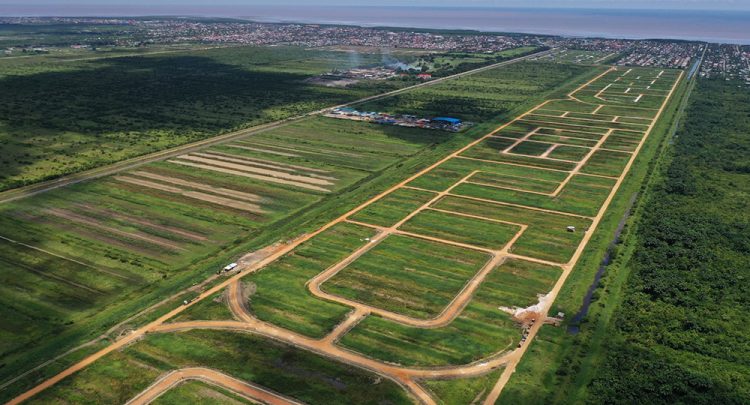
(250, 391)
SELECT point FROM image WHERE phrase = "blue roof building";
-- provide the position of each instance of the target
(447, 120)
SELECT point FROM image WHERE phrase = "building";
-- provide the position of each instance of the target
(446, 121)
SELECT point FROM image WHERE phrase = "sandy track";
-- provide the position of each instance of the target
(243, 206)
(199, 186)
(71, 216)
(257, 170)
(251, 175)
(140, 221)
(269, 162)
(213, 377)
(263, 165)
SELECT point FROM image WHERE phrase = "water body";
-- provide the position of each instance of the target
(711, 26)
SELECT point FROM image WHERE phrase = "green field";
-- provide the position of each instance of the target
(118, 242)
(456, 228)
(62, 118)
(482, 329)
(481, 96)
(198, 392)
(546, 237)
(463, 390)
(407, 275)
(394, 207)
(282, 368)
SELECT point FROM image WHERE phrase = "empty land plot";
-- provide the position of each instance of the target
(282, 368)
(496, 174)
(546, 236)
(582, 195)
(345, 143)
(580, 133)
(470, 390)
(406, 275)
(622, 143)
(591, 124)
(569, 105)
(394, 207)
(199, 393)
(531, 148)
(568, 153)
(563, 140)
(591, 116)
(481, 330)
(477, 232)
(624, 111)
(514, 182)
(41, 293)
(606, 163)
(281, 296)
(485, 152)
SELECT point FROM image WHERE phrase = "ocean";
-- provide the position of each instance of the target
(711, 26)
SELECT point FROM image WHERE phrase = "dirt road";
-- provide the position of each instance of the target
(516, 356)
(242, 388)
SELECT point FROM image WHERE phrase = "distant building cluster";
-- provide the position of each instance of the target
(663, 54)
(727, 61)
(403, 120)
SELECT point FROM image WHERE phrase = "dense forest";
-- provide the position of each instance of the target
(681, 334)
(60, 118)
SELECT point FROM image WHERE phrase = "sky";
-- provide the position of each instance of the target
(626, 4)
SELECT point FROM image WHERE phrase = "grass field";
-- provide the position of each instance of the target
(559, 365)
(456, 228)
(407, 275)
(463, 390)
(200, 393)
(108, 242)
(62, 118)
(293, 372)
(481, 329)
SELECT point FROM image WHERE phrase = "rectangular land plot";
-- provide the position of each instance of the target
(573, 153)
(514, 182)
(281, 296)
(456, 228)
(606, 163)
(407, 275)
(481, 329)
(563, 140)
(447, 174)
(531, 148)
(582, 195)
(546, 236)
(621, 143)
(394, 207)
(484, 152)
(569, 105)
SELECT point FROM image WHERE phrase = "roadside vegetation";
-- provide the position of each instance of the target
(679, 335)
(293, 372)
